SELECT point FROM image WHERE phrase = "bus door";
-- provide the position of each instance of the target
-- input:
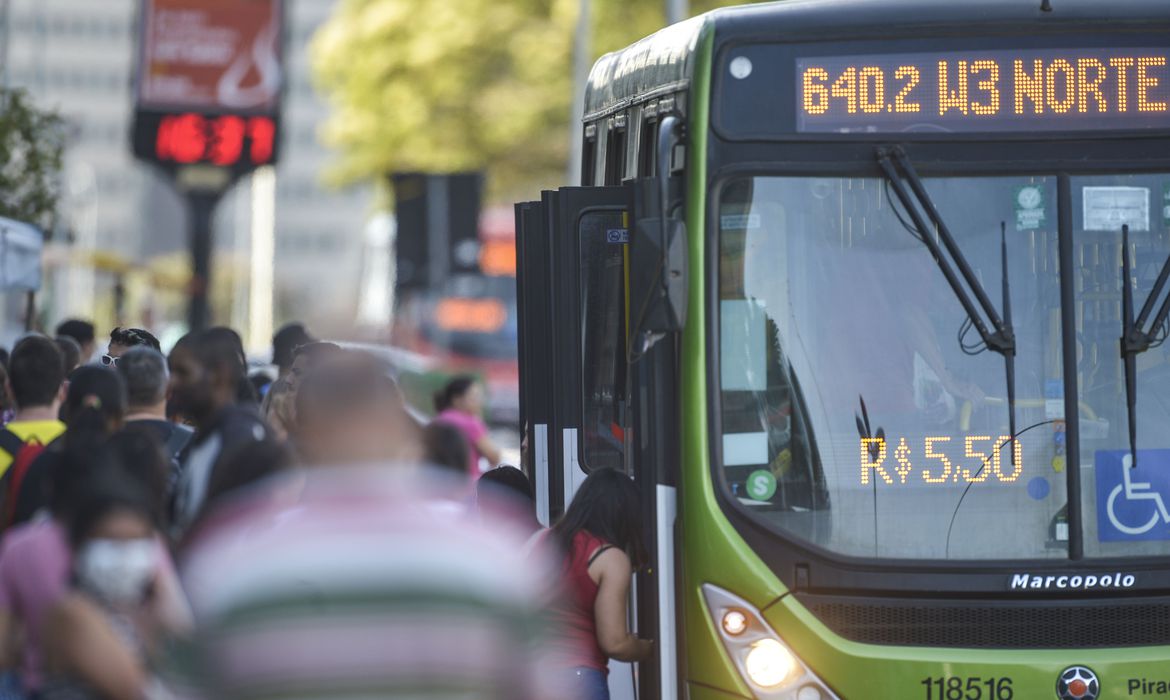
(573, 331)
(657, 254)
(536, 359)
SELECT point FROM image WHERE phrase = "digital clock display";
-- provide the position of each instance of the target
(237, 142)
(985, 91)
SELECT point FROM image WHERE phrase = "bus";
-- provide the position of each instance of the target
(871, 300)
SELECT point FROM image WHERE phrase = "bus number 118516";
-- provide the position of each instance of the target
(967, 688)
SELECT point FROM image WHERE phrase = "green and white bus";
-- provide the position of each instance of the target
(870, 296)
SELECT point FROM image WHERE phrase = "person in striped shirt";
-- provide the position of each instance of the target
(342, 580)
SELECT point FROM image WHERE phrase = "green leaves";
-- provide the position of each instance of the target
(461, 84)
(32, 145)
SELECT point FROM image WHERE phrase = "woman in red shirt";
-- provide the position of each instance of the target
(600, 539)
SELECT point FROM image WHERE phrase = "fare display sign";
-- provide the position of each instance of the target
(1062, 90)
(209, 83)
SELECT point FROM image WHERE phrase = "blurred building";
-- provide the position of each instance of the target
(77, 56)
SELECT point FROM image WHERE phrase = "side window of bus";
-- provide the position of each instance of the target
(763, 410)
(589, 156)
(647, 147)
(615, 156)
(603, 341)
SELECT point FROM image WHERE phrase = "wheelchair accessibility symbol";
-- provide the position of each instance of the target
(1132, 502)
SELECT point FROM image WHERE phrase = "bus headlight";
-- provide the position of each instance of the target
(768, 663)
(734, 623)
(764, 661)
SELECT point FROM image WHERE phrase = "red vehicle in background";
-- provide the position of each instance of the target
(469, 324)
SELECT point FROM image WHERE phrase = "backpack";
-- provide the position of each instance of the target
(23, 453)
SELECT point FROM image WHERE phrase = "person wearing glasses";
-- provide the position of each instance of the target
(122, 339)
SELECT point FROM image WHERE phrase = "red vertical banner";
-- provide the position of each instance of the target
(211, 55)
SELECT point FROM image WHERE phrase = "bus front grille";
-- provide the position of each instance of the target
(1053, 624)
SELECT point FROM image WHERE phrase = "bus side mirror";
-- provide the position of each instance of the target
(658, 278)
(658, 248)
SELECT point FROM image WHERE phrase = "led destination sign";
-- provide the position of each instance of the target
(985, 91)
(900, 464)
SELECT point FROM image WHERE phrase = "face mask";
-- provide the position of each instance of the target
(117, 570)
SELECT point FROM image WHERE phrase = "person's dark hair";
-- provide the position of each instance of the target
(70, 352)
(452, 390)
(245, 392)
(105, 491)
(68, 478)
(508, 486)
(446, 447)
(286, 340)
(81, 331)
(247, 465)
(4, 356)
(605, 506)
(5, 397)
(134, 337)
(506, 477)
(142, 458)
(96, 400)
(36, 371)
(216, 349)
(229, 335)
(144, 370)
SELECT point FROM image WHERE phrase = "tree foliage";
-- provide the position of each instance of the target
(418, 85)
(32, 146)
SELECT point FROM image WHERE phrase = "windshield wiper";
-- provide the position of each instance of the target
(996, 332)
(1135, 339)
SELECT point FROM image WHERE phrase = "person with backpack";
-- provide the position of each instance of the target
(91, 387)
(36, 382)
(206, 371)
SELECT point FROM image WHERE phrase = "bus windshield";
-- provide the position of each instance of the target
(860, 411)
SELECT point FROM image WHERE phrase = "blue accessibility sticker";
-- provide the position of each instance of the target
(617, 235)
(1132, 502)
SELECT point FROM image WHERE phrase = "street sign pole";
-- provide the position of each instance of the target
(221, 124)
(200, 210)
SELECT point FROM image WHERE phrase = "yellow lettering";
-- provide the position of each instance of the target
(1059, 68)
(1091, 86)
(990, 87)
(871, 84)
(931, 454)
(1030, 86)
(1017, 459)
(1122, 65)
(816, 94)
(846, 86)
(982, 472)
(872, 462)
(902, 457)
(1145, 81)
(949, 99)
(911, 75)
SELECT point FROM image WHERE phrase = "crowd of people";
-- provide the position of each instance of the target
(176, 527)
